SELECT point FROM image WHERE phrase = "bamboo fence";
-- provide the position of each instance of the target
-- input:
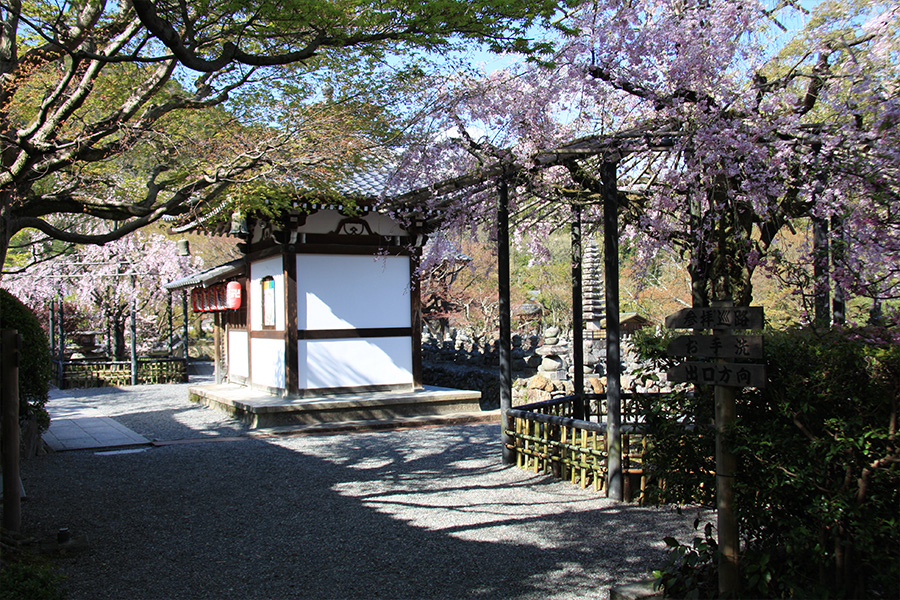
(546, 439)
(89, 374)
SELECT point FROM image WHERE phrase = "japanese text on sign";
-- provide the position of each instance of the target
(727, 374)
(717, 346)
(747, 317)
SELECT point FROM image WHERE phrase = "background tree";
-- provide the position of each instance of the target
(108, 111)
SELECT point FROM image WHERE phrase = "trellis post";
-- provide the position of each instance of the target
(61, 340)
(614, 488)
(578, 408)
(171, 312)
(134, 362)
(505, 324)
(187, 356)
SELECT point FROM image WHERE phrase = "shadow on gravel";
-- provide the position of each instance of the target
(417, 514)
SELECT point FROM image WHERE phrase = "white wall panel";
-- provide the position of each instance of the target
(270, 267)
(267, 360)
(238, 354)
(352, 292)
(355, 362)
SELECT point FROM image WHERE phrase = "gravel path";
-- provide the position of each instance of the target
(416, 514)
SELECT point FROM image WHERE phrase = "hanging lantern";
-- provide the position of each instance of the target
(233, 295)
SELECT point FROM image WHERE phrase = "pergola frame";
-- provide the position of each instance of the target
(610, 150)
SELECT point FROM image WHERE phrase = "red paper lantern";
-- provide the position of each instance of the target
(233, 295)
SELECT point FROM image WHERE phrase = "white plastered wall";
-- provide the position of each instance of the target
(238, 356)
(352, 292)
(267, 362)
(354, 363)
(267, 356)
(345, 292)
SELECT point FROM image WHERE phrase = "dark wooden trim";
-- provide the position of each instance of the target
(349, 334)
(267, 334)
(361, 249)
(291, 356)
(218, 359)
(339, 246)
(263, 250)
(415, 308)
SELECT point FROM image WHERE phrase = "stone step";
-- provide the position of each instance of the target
(466, 418)
(259, 409)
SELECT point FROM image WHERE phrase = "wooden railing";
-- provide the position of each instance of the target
(90, 373)
(546, 439)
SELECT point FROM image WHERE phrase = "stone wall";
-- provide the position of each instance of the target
(542, 365)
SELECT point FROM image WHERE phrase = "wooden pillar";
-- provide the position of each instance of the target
(10, 344)
(52, 327)
(218, 372)
(187, 356)
(291, 335)
(415, 306)
(134, 362)
(608, 176)
(61, 372)
(726, 468)
(505, 320)
(171, 312)
(578, 409)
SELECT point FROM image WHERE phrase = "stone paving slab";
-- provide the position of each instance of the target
(83, 433)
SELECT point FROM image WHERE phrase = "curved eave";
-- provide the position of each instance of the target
(209, 277)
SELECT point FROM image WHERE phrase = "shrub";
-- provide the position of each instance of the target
(34, 363)
(30, 581)
(818, 481)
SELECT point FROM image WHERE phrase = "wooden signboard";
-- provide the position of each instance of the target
(717, 346)
(736, 317)
(718, 373)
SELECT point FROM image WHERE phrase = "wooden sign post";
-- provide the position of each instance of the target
(722, 350)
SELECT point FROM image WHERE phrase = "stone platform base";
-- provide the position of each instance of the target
(260, 410)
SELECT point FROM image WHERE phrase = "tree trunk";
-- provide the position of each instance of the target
(118, 330)
(5, 234)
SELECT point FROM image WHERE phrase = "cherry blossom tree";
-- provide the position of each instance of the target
(106, 281)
